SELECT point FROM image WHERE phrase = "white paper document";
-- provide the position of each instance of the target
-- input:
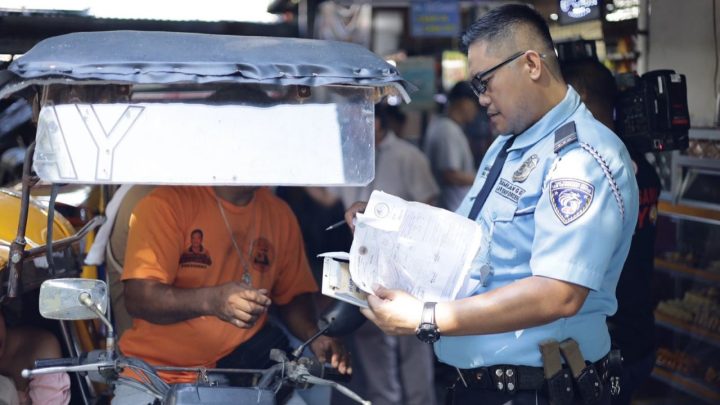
(338, 284)
(423, 250)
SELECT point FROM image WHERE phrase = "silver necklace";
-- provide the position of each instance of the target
(246, 277)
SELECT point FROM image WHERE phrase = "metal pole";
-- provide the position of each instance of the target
(642, 41)
(72, 352)
(303, 19)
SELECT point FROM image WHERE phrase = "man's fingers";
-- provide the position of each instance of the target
(251, 297)
(248, 307)
(374, 302)
(258, 297)
(245, 317)
(382, 292)
(352, 211)
(369, 314)
(241, 324)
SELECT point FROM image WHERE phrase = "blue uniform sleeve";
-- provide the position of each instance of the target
(578, 220)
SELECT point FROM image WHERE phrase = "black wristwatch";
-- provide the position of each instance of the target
(428, 331)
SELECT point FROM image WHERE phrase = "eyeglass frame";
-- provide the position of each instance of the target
(479, 86)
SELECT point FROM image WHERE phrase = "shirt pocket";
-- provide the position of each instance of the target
(502, 246)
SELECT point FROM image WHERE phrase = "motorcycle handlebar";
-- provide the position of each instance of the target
(64, 362)
(67, 369)
(331, 373)
(302, 371)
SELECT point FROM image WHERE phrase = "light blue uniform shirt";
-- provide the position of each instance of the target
(567, 215)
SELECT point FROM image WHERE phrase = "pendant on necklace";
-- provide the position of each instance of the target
(246, 278)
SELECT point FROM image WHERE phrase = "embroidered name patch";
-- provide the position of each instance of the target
(570, 198)
(509, 190)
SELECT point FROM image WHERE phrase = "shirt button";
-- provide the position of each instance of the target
(494, 216)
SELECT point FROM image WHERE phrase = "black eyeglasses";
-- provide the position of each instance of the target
(479, 85)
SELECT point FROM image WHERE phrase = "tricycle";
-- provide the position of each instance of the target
(160, 108)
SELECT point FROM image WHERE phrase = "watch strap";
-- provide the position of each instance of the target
(428, 314)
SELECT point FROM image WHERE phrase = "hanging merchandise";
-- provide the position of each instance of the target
(348, 23)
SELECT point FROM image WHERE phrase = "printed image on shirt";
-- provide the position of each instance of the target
(262, 255)
(196, 255)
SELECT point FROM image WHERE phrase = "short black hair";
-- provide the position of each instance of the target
(500, 24)
(382, 114)
(194, 231)
(591, 77)
(395, 114)
(460, 91)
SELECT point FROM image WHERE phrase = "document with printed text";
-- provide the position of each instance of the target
(423, 250)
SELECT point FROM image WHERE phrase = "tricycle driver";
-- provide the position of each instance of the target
(202, 267)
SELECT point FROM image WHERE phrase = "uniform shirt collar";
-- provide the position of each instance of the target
(550, 121)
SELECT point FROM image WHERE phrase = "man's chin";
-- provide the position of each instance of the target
(495, 130)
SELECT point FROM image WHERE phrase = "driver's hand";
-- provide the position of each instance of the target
(352, 211)
(331, 350)
(240, 304)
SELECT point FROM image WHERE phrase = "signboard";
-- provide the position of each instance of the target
(420, 71)
(572, 11)
(435, 19)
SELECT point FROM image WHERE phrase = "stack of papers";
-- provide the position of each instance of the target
(423, 250)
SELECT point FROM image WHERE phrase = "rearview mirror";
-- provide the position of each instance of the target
(61, 298)
(343, 318)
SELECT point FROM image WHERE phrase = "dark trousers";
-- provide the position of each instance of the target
(633, 376)
(255, 353)
(469, 396)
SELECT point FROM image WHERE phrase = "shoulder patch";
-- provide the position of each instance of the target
(570, 198)
(565, 135)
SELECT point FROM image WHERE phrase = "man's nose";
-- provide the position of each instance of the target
(484, 101)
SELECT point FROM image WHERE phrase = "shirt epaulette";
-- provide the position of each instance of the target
(565, 135)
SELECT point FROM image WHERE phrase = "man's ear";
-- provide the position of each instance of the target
(533, 62)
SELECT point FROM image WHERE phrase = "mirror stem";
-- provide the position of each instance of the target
(85, 299)
(302, 347)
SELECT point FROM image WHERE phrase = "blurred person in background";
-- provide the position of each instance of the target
(398, 369)
(19, 348)
(632, 328)
(448, 149)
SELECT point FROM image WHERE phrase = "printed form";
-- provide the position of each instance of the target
(410, 246)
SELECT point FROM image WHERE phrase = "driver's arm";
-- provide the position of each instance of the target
(155, 243)
(163, 304)
(300, 317)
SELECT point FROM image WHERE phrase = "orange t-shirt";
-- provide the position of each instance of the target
(164, 245)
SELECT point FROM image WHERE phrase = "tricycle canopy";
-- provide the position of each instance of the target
(178, 108)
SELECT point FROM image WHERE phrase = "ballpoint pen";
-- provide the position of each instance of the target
(335, 225)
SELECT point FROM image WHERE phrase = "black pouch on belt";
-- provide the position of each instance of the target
(588, 381)
(559, 383)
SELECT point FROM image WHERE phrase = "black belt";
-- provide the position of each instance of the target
(510, 378)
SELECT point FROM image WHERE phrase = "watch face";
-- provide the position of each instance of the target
(428, 333)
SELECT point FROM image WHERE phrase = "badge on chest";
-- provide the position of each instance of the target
(522, 173)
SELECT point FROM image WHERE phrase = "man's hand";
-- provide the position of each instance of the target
(352, 211)
(395, 312)
(239, 304)
(330, 350)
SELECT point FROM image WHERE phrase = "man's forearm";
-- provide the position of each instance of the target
(525, 303)
(163, 304)
(300, 316)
